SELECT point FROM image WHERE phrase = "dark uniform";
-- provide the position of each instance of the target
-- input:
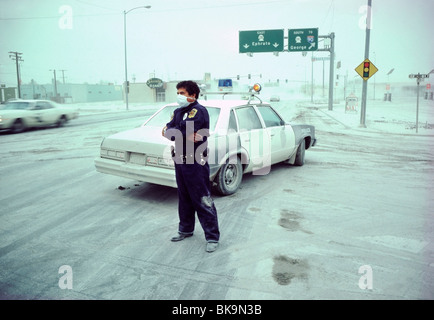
(192, 171)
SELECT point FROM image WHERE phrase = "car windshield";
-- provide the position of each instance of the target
(16, 106)
(164, 116)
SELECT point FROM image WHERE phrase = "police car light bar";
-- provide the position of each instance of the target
(256, 87)
(252, 93)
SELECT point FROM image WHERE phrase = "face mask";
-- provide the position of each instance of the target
(182, 100)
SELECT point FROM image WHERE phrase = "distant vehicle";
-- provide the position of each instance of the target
(274, 98)
(245, 136)
(225, 85)
(19, 115)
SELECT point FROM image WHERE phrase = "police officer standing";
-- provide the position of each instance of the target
(189, 128)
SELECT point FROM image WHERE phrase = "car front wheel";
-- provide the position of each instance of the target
(299, 158)
(229, 177)
(18, 126)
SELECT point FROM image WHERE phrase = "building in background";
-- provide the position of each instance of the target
(65, 92)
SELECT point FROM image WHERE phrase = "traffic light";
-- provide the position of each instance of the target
(249, 76)
(366, 66)
(238, 77)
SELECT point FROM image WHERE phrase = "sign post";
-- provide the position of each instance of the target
(419, 77)
(365, 83)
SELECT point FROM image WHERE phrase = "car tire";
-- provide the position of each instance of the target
(18, 126)
(229, 176)
(299, 157)
(61, 122)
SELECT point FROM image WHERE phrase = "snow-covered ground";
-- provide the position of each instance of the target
(360, 207)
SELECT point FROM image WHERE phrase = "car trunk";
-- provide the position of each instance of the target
(140, 141)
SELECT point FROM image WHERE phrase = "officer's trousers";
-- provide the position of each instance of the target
(195, 196)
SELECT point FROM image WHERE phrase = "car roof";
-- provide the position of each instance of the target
(28, 100)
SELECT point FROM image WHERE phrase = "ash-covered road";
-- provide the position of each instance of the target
(354, 222)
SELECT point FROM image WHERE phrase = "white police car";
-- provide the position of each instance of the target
(246, 136)
(18, 115)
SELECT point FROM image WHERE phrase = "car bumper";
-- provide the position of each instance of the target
(6, 124)
(151, 174)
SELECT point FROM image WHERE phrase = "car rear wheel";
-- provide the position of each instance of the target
(299, 157)
(229, 177)
(18, 126)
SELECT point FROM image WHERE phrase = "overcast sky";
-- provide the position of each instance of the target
(185, 39)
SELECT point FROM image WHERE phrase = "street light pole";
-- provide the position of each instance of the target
(126, 87)
(365, 82)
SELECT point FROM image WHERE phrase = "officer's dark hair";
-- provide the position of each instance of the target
(190, 86)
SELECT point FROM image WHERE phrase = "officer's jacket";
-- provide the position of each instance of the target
(188, 120)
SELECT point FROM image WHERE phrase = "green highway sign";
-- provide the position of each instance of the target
(303, 39)
(261, 41)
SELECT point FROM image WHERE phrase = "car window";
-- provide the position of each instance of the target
(164, 116)
(271, 118)
(232, 127)
(213, 117)
(47, 105)
(248, 118)
(16, 106)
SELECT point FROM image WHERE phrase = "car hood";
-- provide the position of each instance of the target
(12, 112)
(141, 140)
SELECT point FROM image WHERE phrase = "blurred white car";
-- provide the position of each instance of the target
(274, 98)
(246, 136)
(18, 115)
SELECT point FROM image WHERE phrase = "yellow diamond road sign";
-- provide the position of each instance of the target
(366, 69)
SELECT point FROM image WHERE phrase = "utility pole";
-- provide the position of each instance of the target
(55, 85)
(17, 57)
(63, 75)
(332, 68)
(365, 82)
